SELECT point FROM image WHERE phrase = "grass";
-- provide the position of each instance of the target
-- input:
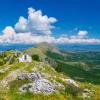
(14, 94)
(72, 65)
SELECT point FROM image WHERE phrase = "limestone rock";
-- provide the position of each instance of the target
(34, 76)
(87, 93)
(38, 86)
(42, 86)
(24, 88)
(22, 76)
(72, 82)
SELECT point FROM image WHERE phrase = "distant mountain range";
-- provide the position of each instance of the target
(79, 47)
(4, 47)
(66, 47)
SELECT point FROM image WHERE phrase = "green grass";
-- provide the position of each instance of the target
(71, 65)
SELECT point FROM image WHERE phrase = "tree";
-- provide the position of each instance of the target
(59, 68)
(36, 57)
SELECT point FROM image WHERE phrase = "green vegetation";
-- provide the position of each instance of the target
(83, 70)
(83, 67)
(35, 57)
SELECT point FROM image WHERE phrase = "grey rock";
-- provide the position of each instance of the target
(72, 83)
(42, 86)
(34, 76)
(86, 93)
(22, 76)
(58, 85)
(24, 88)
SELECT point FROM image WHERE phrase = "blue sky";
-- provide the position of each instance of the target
(72, 15)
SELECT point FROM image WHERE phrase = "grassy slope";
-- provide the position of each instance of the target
(74, 66)
(80, 64)
(83, 67)
(14, 94)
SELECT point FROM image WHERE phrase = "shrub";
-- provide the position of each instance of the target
(36, 57)
(58, 68)
(72, 90)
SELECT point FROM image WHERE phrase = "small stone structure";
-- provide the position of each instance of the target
(25, 58)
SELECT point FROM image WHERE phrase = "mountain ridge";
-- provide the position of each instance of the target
(64, 47)
(72, 72)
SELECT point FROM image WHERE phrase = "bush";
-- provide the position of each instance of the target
(59, 68)
(35, 57)
(72, 90)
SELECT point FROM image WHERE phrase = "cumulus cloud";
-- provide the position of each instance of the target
(30, 38)
(9, 31)
(36, 23)
(82, 33)
(21, 25)
(37, 28)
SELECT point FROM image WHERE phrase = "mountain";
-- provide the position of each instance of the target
(4, 47)
(64, 47)
(71, 62)
(79, 47)
(57, 75)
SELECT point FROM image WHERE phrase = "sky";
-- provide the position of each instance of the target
(52, 21)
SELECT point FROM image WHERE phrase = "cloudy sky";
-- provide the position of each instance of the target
(51, 21)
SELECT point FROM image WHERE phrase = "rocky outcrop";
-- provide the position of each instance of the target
(24, 88)
(22, 76)
(87, 93)
(42, 86)
(72, 83)
(34, 76)
(10, 77)
(39, 84)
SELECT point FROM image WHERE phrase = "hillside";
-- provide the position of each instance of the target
(41, 50)
(58, 75)
(71, 63)
(23, 81)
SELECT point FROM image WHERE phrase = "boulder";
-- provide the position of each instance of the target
(24, 88)
(58, 85)
(42, 86)
(22, 76)
(86, 93)
(38, 86)
(72, 82)
(34, 76)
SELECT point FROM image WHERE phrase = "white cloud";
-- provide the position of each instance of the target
(37, 28)
(31, 39)
(21, 25)
(36, 23)
(9, 31)
(65, 40)
(82, 33)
